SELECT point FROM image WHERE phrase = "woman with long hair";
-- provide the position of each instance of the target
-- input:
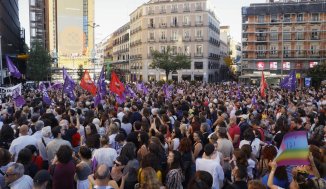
(198, 145)
(150, 180)
(143, 140)
(92, 138)
(174, 176)
(187, 159)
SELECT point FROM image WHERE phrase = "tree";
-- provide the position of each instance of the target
(80, 72)
(228, 61)
(39, 63)
(169, 62)
(317, 74)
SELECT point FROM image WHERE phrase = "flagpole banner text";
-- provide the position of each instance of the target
(9, 91)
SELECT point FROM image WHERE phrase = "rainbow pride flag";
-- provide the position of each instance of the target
(293, 150)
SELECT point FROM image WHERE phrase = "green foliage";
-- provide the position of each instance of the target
(317, 73)
(168, 62)
(80, 72)
(39, 63)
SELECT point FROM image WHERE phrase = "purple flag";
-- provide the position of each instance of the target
(238, 94)
(46, 98)
(56, 86)
(101, 85)
(130, 92)
(120, 99)
(101, 88)
(289, 82)
(20, 101)
(141, 87)
(145, 90)
(254, 100)
(68, 85)
(12, 68)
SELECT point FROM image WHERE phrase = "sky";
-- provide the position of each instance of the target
(112, 14)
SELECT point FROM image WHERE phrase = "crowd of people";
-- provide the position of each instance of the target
(203, 136)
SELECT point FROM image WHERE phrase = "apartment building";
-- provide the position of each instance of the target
(188, 27)
(281, 36)
(120, 52)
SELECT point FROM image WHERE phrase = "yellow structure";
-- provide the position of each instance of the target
(70, 32)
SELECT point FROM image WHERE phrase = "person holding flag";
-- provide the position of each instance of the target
(87, 84)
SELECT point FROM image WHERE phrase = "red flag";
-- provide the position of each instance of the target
(115, 84)
(87, 84)
(263, 85)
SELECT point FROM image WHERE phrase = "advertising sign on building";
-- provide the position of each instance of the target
(313, 64)
(286, 65)
(273, 65)
(260, 65)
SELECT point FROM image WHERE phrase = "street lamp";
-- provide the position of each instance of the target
(94, 25)
(93, 58)
(1, 62)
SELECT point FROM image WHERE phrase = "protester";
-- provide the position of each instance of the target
(149, 135)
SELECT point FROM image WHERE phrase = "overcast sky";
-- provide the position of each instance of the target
(111, 14)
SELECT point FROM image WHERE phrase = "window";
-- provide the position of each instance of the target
(199, 34)
(151, 49)
(186, 7)
(186, 20)
(175, 21)
(300, 35)
(273, 49)
(174, 50)
(299, 50)
(287, 50)
(315, 17)
(163, 35)
(261, 49)
(199, 19)
(199, 49)
(151, 36)
(274, 18)
(273, 35)
(163, 9)
(198, 6)
(186, 34)
(300, 17)
(286, 34)
(287, 18)
(174, 8)
(199, 65)
(261, 18)
(314, 34)
(313, 49)
(163, 48)
(187, 50)
(174, 35)
(151, 23)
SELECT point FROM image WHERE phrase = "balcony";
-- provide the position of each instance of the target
(174, 24)
(162, 11)
(186, 9)
(199, 38)
(261, 38)
(163, 40)
(173, 39)
(174, 10)
(199, 8)
(186, 24)
(162, 25)
(186, 38)
(199, 23)
(151, 26)
(151, 40)
(315, 37)
(198, 55)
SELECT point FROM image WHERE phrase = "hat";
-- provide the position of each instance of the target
(41, 177)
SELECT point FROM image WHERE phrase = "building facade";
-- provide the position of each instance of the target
(281, 36)
(187, 27)
(65, 28)
(120, 51)
(12, 36)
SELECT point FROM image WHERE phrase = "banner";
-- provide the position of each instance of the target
(9, 91)
(307, 81)
(293, 150)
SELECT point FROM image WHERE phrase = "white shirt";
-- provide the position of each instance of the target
(20, 143)
(214, 168)
(120, 115)
(105, 156)
(42, 148)
(24, 182)
(127, 127)
(176, 143)
(38, 135)
(255, 145)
